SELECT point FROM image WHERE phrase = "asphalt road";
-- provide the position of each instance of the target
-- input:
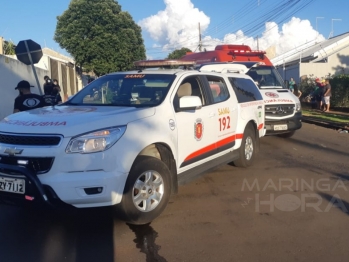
(292, 205)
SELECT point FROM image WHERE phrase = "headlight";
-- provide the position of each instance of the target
(298, 107)
(95, 141)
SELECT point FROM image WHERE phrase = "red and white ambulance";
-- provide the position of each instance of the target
(282, 108)
(128, 139)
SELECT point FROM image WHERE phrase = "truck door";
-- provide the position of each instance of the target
(196, 128)
(226, 115)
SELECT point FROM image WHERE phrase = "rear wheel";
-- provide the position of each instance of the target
(287, 135)
(147, 191)
(247, 149)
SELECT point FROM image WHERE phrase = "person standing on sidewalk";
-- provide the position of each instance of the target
(27, 100)
(297, 92)
(327, 95)
(319, 91)
(291, 84)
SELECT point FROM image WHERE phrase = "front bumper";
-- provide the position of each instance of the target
(67, 190)
(35, 193)
(293, 123)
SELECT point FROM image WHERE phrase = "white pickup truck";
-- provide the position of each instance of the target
(128, 140)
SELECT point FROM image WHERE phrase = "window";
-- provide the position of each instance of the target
(218, 89)
(245, 90)
(190, 86)
(125, 90)
(266, 77)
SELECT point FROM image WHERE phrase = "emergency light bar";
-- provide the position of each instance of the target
(162, 63)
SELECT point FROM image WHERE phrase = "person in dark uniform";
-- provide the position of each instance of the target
(51, 92)
(27, 100)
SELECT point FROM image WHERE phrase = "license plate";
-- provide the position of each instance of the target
(12, 185)
(280, 127)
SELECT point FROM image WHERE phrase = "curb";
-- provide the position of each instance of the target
(324, 124)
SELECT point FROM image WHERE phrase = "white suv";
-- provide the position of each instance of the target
(129, 139)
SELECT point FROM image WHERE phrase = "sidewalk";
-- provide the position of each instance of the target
(327, 123)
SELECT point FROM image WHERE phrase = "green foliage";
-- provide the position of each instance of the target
(307, 85)
(100, 36)
(177, 54)
(339, 89)
(9, 48)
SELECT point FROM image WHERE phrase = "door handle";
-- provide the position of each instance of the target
(233, 109)
(259, 107)
(212, 114)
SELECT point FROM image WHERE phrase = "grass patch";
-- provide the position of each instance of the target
(328, 116)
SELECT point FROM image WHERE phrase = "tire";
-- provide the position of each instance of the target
(147, 191)
(247, 149)
(286, 135)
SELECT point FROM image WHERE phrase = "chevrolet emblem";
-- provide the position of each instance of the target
(11, 151)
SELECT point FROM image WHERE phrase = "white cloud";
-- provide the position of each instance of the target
(177, 26)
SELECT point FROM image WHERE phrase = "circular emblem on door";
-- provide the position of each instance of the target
(198, 129)
(271, 94)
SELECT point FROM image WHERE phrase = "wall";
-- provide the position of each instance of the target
(1, 45)
(338, 63)
(11, 72)
(290, 71)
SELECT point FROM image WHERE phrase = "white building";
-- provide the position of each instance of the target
(329, 57)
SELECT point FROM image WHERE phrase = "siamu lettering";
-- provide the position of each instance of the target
(134, 76)
(223, 111)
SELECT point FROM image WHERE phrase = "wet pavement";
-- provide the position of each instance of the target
(292, 205)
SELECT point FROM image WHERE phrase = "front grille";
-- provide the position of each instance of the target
(30, 140)
(39, 165)
(279, 110)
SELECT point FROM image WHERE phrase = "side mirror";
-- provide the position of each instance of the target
(190, 103)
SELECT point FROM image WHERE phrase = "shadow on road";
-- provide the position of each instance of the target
(341, 176)
(337, 202)
(84, 235)
(316, 146)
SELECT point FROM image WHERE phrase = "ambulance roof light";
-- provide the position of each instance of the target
(163, 63)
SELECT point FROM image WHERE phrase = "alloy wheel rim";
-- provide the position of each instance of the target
(148, 191)
(248, 148)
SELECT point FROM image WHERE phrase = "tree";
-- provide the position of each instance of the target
(177, 54)
(100, 37)
(9, 48)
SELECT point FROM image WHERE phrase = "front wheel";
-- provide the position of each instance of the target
(286, 135)
(147, 191)
(247, 149)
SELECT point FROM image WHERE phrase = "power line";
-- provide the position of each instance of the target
(277, 12)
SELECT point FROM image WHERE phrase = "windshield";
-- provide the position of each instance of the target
(266, 77)
(134, 90)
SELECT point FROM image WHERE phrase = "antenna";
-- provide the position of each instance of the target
(332, 32)
(257, 42)
(319, 17)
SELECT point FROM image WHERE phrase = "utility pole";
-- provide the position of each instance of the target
(200, 43)
(257, 43)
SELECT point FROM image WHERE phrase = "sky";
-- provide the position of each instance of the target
(168, 25)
